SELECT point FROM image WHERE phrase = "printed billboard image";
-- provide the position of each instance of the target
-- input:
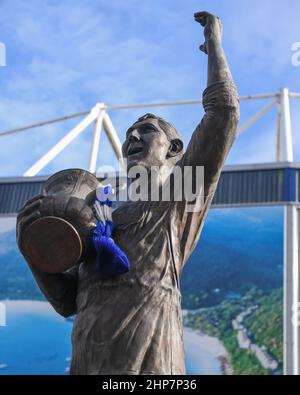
(232, 290)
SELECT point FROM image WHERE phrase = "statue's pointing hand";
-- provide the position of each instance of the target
(213, 28)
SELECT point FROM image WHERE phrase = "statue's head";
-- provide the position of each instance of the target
(152, 141)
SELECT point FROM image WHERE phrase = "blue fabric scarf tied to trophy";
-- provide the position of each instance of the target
(111, 259)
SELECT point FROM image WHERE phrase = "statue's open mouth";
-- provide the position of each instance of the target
(134, 151)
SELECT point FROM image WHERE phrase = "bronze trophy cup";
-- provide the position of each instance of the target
(61, 238)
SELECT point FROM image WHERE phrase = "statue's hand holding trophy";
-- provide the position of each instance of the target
(54, 228)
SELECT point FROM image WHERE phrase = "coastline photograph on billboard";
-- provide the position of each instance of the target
(232, 291)
(232, 301)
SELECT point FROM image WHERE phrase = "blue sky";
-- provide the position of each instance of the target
(64, 56)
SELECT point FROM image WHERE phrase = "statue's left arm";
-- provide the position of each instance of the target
(214, 136)
(212, 139)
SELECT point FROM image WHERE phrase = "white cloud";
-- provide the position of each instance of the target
(7, 224)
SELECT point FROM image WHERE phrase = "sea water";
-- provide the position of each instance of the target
(36, 340)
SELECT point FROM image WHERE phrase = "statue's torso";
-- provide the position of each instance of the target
(132, 324)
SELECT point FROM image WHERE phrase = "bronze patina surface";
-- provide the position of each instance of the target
(52, 239)
(58, 234)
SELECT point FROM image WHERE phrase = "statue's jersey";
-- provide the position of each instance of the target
(132, 324)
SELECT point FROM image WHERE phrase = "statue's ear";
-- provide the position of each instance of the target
(176, 146)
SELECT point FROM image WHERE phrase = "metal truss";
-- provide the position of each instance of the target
(99, 116)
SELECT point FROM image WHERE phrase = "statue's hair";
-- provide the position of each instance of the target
(170, 131)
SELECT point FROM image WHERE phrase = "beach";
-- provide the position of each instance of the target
(205, 355)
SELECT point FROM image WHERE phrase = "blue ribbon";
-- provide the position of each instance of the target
(111, 259)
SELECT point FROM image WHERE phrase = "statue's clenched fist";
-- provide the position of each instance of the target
(213, 28)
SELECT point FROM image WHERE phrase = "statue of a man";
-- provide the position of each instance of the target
(131, 324)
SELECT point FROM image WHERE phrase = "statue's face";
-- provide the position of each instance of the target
(146, 145)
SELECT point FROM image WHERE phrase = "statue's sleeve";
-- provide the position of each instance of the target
(208, 147)
(59, 289)
(214, 136)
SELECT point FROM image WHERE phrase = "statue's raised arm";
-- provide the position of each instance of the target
(215, 134)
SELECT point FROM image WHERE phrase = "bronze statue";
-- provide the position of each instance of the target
(131, 324)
